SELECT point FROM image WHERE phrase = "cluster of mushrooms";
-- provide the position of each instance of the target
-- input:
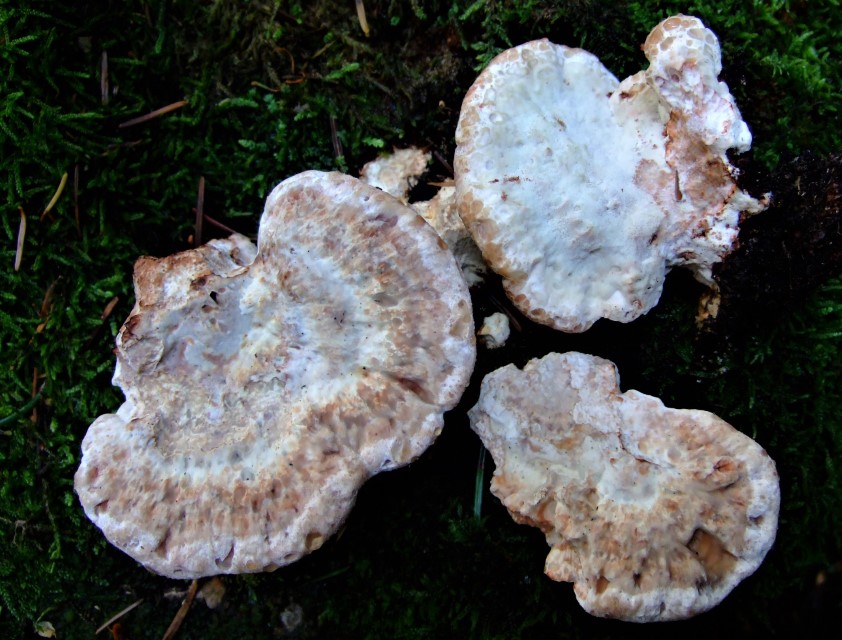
(264, 384)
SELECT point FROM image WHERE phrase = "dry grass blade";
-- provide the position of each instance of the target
(21, 237)
(175, 625)
(157, 113)
(117, 616)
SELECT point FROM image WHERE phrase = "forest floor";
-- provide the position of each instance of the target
(112, 113)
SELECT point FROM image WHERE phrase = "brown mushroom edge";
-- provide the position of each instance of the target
(653, 513)
(265, 385)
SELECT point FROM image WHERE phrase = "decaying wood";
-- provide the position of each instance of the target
(787, 251)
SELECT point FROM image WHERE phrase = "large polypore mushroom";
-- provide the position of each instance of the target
(582, 192)
(263, 386)
(653, 513)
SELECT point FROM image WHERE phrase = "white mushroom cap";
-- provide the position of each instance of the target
(583, 192)
(264, 386)
(653, 513)
(397, 172)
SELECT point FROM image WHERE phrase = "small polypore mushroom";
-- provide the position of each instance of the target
(397, 173)
(583, 192)
(441, 213)
(494, 330)
(653, 513)
(265, 385)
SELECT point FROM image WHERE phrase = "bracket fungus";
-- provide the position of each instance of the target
(583, 191)
(397, 173)
(494, 331)
(653, 513)
(265, 385)
(440, 212)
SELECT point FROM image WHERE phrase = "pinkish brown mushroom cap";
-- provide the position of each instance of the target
(265, 385)
(653, 513)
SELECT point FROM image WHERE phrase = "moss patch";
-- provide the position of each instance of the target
(267, 89)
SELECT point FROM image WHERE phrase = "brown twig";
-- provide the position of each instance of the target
(182, 612)
(200, 208)
(117, 616)
(153, 114)
(21, 237)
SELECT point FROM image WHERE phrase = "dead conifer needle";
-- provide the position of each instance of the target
(200, 208)
(117, 616)
(103, 78)
(182, 612)
(56, 195)
(21, 236)
(218, 224)
(153, 114)
(109, 308)
(361, 18)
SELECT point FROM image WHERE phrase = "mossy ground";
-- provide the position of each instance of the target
(273, 88)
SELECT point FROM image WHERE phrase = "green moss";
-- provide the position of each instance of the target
(273, 88)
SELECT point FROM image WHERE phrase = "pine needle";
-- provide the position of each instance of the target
(479, 482)
(219, 225)
(157, 113)
(56, 195)
(21, 237)
(109, 308)
(117, 616)
(182, 612)
(103, 78)
(361, 18)
(200, 209)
